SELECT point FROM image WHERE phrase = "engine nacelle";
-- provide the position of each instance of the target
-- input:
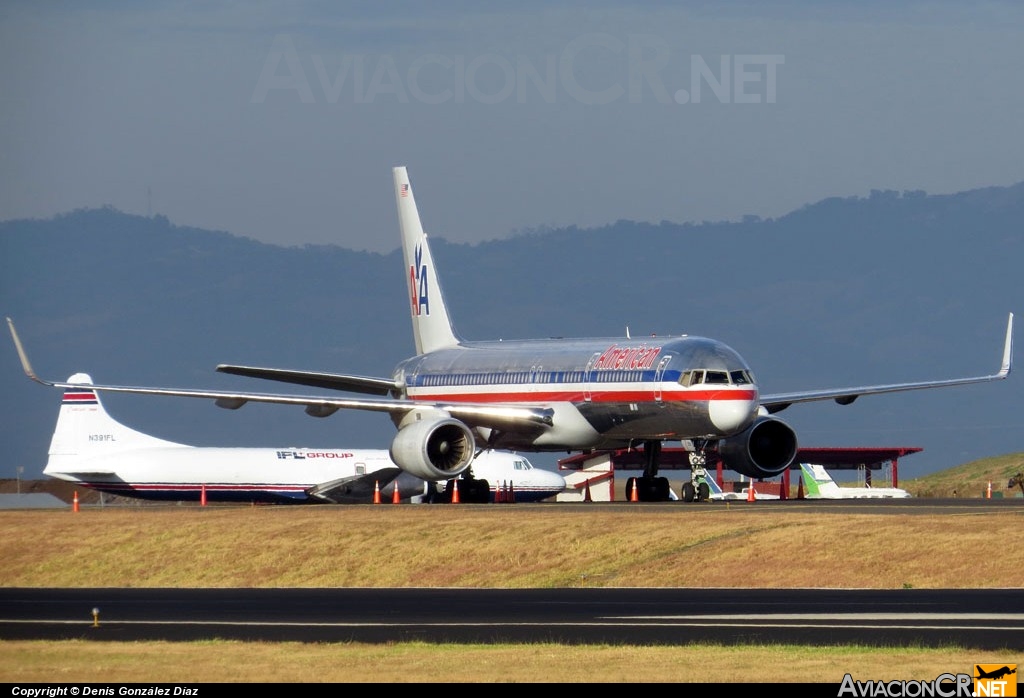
(434, 449)
(765, 449)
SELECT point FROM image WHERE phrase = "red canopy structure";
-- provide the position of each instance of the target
(837, 458)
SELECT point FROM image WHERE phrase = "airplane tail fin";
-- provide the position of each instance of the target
(815, 479)
(713, 487)
(85, 430)
(431, 326)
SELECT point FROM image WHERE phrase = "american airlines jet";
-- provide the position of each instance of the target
(92, 449)
(454, 397)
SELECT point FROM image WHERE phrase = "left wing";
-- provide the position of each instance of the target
(524, 418)
(334, 381)
(356, 488)
(844, 396)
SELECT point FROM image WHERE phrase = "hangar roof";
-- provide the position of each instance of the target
(837, 458)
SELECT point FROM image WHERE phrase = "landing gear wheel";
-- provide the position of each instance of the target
(479, 491)
(648, 489)
(660, 489)
(631, 485)
(688, 492)
(470, 491)
(703, 492)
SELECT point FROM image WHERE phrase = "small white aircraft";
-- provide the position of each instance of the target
(818, 484)
(715, 493)
(91, 448)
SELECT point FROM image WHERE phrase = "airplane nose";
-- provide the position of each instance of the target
(730, 416)
(553, 481)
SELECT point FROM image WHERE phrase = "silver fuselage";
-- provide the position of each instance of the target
(603, 392)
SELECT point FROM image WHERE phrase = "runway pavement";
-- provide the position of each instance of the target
(978, 619)
(974, 618)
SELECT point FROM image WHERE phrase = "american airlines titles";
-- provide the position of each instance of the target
(302, 455)
(616, 357)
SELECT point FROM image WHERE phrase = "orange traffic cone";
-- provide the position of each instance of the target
(395, 496)
(511, 493)
(499, 493)
(634, 494)
(376, 491)
(800, 488)
(455, 491)
(750, 492)
(202, 496)
(74, 502)
(586, 491)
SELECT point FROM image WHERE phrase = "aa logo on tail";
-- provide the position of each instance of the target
(419, 285)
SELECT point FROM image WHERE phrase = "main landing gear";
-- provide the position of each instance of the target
(471, 490)
(651, 488)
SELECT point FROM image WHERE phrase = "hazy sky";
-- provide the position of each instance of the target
(281, 121)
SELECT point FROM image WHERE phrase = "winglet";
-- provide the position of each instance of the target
(25, 365)
(1004, 370)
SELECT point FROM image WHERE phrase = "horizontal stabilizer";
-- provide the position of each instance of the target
(332, 381)
(87, 473)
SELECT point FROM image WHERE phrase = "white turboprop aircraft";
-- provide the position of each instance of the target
(91, 448)
(818, 484)
(454, 397)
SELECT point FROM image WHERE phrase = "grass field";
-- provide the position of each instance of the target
(738, 545)
(742, 545)
(81, 661)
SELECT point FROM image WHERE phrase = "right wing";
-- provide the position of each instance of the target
(844, 396)
(520, 419)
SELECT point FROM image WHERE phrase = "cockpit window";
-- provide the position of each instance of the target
(716, 377)
(698, 377)
(740, 377)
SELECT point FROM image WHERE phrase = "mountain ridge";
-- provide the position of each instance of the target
(892, 286)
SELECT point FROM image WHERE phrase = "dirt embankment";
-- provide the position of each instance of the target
(64, 491)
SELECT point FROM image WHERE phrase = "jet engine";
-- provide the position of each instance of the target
(433, 448)
(766, 448)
